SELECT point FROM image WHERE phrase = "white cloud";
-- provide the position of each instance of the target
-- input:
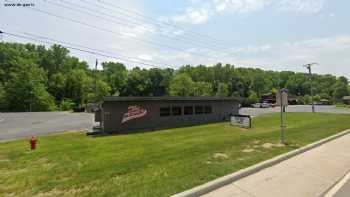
(194, 16)
(137, 31)
(145, 57)
(200, 12)
(330, 52)
(240, 6)
(302, 6)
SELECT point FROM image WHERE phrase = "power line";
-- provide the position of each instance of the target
(116, 33)
(77, 49)
(89, 48)
(158, 24)
(119, 21)
(162, 22)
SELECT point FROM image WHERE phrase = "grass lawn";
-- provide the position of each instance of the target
(343, 106)
(157, 163)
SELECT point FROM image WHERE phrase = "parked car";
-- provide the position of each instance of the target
(257, 105)
(266, 105)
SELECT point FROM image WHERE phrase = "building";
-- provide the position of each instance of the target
(125, 114)
(271, 98)
(346, 100)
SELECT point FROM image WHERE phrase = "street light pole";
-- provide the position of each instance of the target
(308, 66)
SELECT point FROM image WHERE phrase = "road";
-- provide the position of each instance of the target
(294, 108)
(344, 191)
(341, 189)
(20, 125)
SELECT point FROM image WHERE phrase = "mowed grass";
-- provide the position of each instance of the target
(159, 163)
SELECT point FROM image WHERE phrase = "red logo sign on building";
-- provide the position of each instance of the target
(134, 112)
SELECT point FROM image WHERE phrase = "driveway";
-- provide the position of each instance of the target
(294, 108)
(21, 125)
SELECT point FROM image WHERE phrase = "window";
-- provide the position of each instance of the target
(198, 109)
(208, 109)
(188, 110)
(165, 111)
(176, 111)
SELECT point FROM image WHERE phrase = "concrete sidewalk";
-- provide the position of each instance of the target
(310, 174)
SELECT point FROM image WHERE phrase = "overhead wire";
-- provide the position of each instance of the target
(131, 17)
(75, 47)
(117, 33)
(119, 21)
(94, 49)
(162, 22)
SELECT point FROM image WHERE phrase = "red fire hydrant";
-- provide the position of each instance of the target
(33, 142)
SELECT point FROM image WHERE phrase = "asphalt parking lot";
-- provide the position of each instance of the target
(21, 125)
(294, 108)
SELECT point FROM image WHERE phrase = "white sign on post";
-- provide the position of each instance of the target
(241, 121)
(284, 99)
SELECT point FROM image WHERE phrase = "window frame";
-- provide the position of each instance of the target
(210, 111)
(192, 110)
(164, 114)
(196, 111)
(176, 107)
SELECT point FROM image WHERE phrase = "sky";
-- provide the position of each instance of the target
(267, 34)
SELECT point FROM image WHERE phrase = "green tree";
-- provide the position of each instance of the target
(253, 98)
(158, 82)
(181, 85)
(223, 90)
(66, 105)
(2, 98)
(260, 84)
(341, 89)
(202, 89)
(138, 83)
(57, 85)
(102, 90)
(78, 86)
(26, 89)
(116, 76)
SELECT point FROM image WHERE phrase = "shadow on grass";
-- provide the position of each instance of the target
(100, 133)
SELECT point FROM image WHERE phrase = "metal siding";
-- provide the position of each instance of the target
(113, 113)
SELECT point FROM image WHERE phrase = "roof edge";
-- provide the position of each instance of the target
(169, 98)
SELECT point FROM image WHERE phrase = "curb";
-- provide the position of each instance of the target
(225, 180)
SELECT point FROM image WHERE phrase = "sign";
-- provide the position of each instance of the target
(134, 112)
(284, 99)
(241, 121)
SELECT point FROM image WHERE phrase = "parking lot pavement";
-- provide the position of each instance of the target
(21, 125)
(294, 108)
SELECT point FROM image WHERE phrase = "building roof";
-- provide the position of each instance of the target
(168, 98)
(346, 98)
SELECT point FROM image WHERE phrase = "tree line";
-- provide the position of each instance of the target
(36, 78)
